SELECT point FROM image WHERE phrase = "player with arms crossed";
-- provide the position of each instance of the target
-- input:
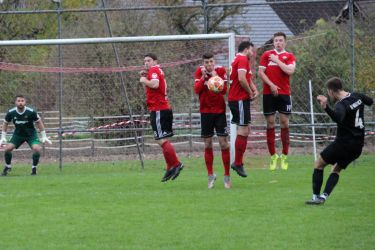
(23, 118)
(161, 113)
(242, 90)
(349, 141)
(275, 68)
(213, 117)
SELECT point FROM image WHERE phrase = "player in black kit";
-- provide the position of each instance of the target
(349, 141)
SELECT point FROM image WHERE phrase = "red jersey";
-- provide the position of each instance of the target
(157, 99)
(275, 73)
(210, 102)
(236, 92)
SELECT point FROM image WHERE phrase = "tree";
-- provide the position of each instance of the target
(189, 20)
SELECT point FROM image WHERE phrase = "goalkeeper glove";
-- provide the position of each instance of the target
(44, 138)
(3, 139)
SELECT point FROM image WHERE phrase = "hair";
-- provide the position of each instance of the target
(207, 55)
(152, 55)
(334, 84)
(279, 34)
(19, 96)
(245, 45)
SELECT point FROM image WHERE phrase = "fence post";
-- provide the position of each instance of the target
(92, 144)
(58, 6)
(205, 16)
(352, 48)
(312, 119)
(190, 122)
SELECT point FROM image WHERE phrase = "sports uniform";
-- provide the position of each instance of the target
(213, 118)
(283, 102)
(239, 104)
(238, 98)
(348, 144)
(161, 115)
(212, 105)
(348, 113)
(23, 118)
(24, 126)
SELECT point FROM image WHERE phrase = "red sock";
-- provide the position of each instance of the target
(209, 159)
(285, 140)
(169, 155)
(240, 148)
(225, 156)
(271, 140)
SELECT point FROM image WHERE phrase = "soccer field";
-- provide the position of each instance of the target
(119, 206)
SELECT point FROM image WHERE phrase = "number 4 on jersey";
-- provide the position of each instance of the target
(358, 121)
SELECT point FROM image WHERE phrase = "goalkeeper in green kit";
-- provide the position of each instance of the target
(23, 118)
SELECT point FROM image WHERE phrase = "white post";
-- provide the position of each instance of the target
(129, 39)
(312, 119)
(233, 127)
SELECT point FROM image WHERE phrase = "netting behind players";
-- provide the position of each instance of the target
(95, 113)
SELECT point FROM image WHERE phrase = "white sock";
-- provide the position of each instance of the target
(33, 166)
(324, 196)
(314, 197)
(8, 166)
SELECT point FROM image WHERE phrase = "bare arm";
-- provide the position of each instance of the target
(40, 125)
(288, 69)
(42, 131)
(5, 127)
(267, 81)
(154, 84)
(254, 89)
(3, 138)
(243, 81)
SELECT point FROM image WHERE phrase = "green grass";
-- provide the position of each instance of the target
(118, 206)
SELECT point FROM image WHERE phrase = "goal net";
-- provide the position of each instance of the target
(88, 94)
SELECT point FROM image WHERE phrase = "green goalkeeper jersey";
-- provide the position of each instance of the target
(23, 122)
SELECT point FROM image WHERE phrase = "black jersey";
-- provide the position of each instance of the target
(348, 114)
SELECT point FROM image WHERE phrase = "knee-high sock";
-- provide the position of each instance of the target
(169, 155)
(285, 140)
(209, 159)
(8, 158)
(317, 181)
(331, 183)
(36, 157)
(271, 140)
(225, 156)
(240, 148)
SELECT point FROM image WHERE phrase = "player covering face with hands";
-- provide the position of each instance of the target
(23, 118)
(213, 117)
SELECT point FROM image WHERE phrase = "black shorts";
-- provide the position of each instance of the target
(161, 123)
(240, 112)
(210, 121)
(341, 153)
(280, 103)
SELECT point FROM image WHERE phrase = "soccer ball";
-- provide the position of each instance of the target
(215, 84)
